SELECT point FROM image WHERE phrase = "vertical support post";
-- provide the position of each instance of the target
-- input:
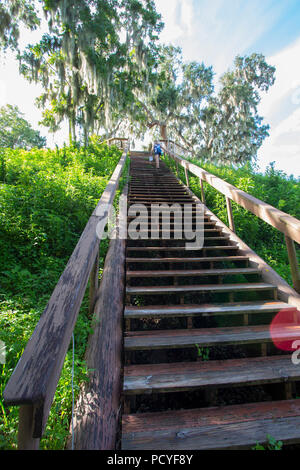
(293, 262)
(230, 214)
(202, 191)
(187, 176)
(25, 431)
(94, 285)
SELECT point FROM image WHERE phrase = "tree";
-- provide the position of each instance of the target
(12, 13)
(94, 54)
(233, 129)
(16, 132)
(223, 126)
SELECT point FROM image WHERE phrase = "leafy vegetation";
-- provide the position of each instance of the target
(272, 444)
(273, 187)
(46, 198)
(16, 132)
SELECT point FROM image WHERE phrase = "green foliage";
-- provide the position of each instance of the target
(46, 198)
(272, 444)
(12, 13)
(273, 187)
(86, 67)
(202, 352)
(16, 132)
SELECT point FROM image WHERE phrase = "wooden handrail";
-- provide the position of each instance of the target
(121, 140)
(172, 142)
(34, 380)
(285, 223)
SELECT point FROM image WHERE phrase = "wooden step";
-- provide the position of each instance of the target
(149, 227)
(193, 272)
(168, 203)
(206, 337)
(181, 248)
(206, 288)
(204, 259)
(224, 238)
(233, 308)
(184, 376)
(230, 427)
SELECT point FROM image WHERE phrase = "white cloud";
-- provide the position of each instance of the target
(281, 109)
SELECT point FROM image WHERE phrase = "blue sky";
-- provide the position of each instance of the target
(215, 31)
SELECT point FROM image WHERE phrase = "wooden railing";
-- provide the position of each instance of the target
(120, 142)
(34, 381)
(285, 223)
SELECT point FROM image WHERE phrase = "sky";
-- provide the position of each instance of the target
(215, 32)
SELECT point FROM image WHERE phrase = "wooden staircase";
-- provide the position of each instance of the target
(201, 370)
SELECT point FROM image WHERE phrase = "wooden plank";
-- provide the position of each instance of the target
(36, 375)
(208, 337)
(231, 427)
(200, 288)
(193, 272)
(206, 309)
(204, 259)
(293, 263)
(180, 248)
(96, 417)
(230, 214)
(179, 377)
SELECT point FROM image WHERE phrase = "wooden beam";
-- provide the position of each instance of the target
(230, 214)
(186, 177)
(293, 263)
(26, 428)
(202, 191)
(96, 418)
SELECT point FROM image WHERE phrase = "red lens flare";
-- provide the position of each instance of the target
(285, 329)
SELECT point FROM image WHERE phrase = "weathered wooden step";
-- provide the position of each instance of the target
(169, 203)
(193, 272)
(152, 200)
(204, 259)
(181, 248)
(179, 377)
(230, 427)
(206, 288)
(224, 238)
(162, 339)
(233, 308)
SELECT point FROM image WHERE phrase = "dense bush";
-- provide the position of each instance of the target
(273, 187)
(46, 199)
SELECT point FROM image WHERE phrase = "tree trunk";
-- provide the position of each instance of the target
(163, 131)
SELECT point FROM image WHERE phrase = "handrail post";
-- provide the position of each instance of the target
(25, 431)
(202, 191)
(187, 176)
(230, 214)
(293, 262)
